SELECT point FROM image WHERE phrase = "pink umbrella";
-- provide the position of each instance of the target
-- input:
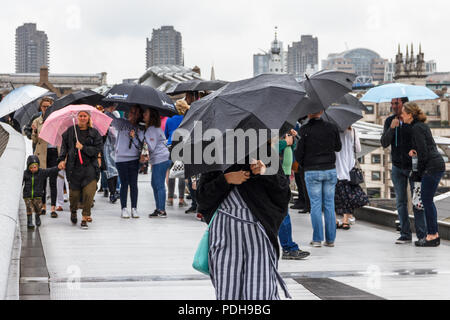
(59, 121)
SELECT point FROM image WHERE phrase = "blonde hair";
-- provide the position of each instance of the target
(90, 118)
(182, 107)
(414, 110)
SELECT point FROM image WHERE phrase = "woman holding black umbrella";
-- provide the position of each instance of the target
(128, 146)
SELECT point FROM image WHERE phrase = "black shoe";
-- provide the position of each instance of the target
(154, 214)
(428, 243)
(295, 255)
(189, 197)
(191, 210)
(105, 193)
(304, 211)
(297, 206)
(112, 198)
(84, 225)
(403, 240)
(73, 217)
(30, 224)
(162, 214)
(37, 217)
(43, 212)
(54, 214)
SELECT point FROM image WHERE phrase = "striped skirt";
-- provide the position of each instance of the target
(242, 261)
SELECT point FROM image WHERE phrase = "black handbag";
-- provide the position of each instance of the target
(356, 174)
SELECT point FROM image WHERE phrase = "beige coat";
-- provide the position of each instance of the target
(41, 145)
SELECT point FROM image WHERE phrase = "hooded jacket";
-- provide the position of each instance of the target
(34, 183)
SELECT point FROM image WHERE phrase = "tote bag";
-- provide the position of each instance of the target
(201, 263)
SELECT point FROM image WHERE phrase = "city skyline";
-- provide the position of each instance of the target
(83, 42)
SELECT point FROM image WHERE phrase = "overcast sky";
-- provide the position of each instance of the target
(90, 36)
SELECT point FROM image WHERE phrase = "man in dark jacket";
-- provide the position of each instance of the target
(34, 179)
(319, 140)
(398, 136)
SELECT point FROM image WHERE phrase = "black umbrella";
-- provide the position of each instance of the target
(88, 97)
(327, 86)
(28, 111)
(343, 116)
(350, 100)
(211, 85)
(186, 86)
(136, 94)
(263, 103)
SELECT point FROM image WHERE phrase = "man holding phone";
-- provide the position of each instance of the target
(398, 135)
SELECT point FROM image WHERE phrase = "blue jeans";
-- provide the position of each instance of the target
(430, 183)
(285, 235)
(321, 187)
(159, 183)
(128, 173)
(400, 178)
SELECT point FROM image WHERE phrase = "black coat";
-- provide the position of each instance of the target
(318, 142)
(92, 147)
(430, 160)
(400, 140)
(266, 196)
(34, 183)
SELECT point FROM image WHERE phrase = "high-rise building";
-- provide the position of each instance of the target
(303, 56)
(32, 49)
(165, 47)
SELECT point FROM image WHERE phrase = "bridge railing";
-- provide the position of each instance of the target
(12, 163)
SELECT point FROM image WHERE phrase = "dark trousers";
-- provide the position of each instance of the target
(193, 194)
(181, 187)
(430, 183)
(52, 161)
(128, 174)
(302, 191)
(87, 193)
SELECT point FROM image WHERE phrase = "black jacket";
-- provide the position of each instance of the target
(400, 140)
(266, 196)
(34, 183)
(318, 142)
(92, 146)
(430, 160)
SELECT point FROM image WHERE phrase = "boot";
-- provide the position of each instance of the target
(37, 218)
(30, 224)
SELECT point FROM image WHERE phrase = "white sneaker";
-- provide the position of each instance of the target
(352, 220)
(125, 214)
(316, 244)
(134, 213)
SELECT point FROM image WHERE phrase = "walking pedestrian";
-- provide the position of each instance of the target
(430, 169)
(34, 179)
(61, 183)
(348, 197)
(47, 154)
(83, 173)
(128, 150)
(319, 140)
(244, 249)
(398, 135)
(159, 159)
(171, 125)
(291, 250)
(111, 172)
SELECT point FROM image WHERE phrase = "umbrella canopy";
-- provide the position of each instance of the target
(262, 103)
(87, 97)
(20, 97)
(186, 86)
(350, 100)
(211, 85)
(387, 92)
(343, 116)
(327, 86)
(30, 110)
(59, 121)
(136, 94)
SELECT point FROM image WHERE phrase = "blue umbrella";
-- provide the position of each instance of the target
(387, 92)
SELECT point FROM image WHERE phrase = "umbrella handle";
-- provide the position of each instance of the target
(76, 136)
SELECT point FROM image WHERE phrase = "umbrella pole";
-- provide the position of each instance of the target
(76, 136)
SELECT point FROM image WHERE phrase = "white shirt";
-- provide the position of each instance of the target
(345, 159)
